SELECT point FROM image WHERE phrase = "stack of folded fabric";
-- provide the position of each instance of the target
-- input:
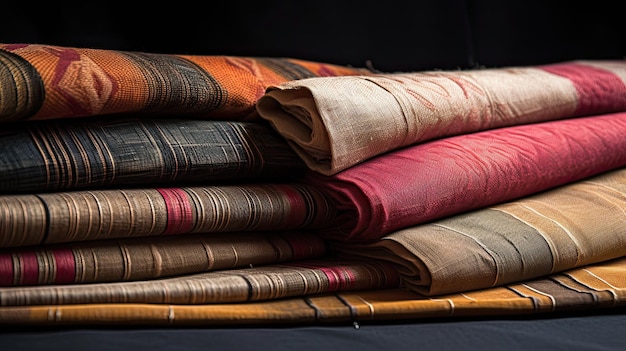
(145, 188)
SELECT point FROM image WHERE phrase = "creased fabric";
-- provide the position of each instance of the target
(72, 216)
(590, 288)
(334, 123)
(295, 278)
(574, 225)
(150, 258)
(449, 176)
(45, 81)
(55, 155)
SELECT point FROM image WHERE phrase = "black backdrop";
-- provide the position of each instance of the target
(389, 35)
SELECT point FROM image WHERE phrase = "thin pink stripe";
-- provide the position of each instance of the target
(30, 268)
(65, 266)
(6, 270)
(337, 280)
(599, 91)
(179, 217)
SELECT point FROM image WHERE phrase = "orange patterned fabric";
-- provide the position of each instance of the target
(43, 82)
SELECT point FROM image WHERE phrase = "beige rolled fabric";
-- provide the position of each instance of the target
(334, 123)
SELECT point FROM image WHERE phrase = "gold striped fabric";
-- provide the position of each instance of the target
(590, 288)
(71, 216)
(150, 258)
(567, 227)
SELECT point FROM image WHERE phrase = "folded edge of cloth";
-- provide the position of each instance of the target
(578, 224)
(334, 123)
(47, 81)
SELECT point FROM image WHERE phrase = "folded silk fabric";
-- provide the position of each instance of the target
(72, 216)
(45, 81)
(567, 227)
(150, 258)
(295, 278)
(55, 155)
(593, 288)
(337, 122)
(448, 176)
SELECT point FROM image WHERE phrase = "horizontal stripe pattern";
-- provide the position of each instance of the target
(128, 152)
(151, 258)
(61, 217)
(51, 82)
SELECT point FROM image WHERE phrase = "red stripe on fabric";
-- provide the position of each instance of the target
(338, 279)
(65, 266)
(6, 270)
(179, 217)
(29, 268)
(297, 206)
(599, 90)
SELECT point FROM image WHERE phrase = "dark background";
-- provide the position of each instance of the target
(389, 35)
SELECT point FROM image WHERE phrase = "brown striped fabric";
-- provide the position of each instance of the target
(337, 122)
(590, 288)
(276, 281)
(46, 156)
(151, 258)
(72, 216)
(44, 81)
(567, 227)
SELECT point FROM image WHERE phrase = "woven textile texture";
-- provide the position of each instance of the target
(295, 278)
(337, 122)
(594, 287)
(72, 216)
(49, 156)
(149, 258)
(448, 176)
(44, 81)
(578, 224)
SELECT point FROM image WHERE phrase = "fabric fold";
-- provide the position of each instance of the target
(449, 176)
(564, 228)
(96, 153)
(334, 123)
(47, 81)
(591, 288)
(151, 258)
(270, 282)
(72, 216)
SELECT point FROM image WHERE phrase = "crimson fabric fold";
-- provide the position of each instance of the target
(334, 123)
(39, 81)
(567, 227)
(448, 176)
(136, 259)
(96, 153)
(73, 216)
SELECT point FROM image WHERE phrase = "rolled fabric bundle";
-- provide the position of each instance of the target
(270, 282)
(598, 287)
(449, 176)
(151, 258)
(96, 153)
(46, 81)
(334, 123)
(72, 216)
(571, 226)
